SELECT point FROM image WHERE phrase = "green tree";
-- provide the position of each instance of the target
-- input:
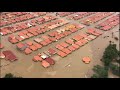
(119, 53)
(95, 76)
(109, 54)
(10, 75)
(115, 69)
(100, 72)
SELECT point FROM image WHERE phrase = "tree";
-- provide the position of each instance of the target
(119, 53)
(10, 75)
(107, 61)
(115, 69)
(100, 72)
(95, 76)
(109, 54)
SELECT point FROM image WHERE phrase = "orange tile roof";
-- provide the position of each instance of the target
(59, 47)
(75, 46)
(62, 54)
(37, 58)
(86, 59)
(37, 45)
(20, 45)
(29, 43)
(79, 43)
(1, 46)
(43, 43)
(45, 64)
(64, 44)
(70, 41)
(33, 47)
(29, 34)
(28, 51)
(13, 41)
(71, 48)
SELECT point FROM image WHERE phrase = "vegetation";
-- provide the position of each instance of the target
(119, 53)
(115, 69)
(100, 72)
(10, 75)
(110, 54)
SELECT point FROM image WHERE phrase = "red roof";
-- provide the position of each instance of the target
(20, 33)
(37, 45)
(52, 39)
(2, 55)
(19, 38)
(91, 30)
(48, 41)
(25, 36)
(75, 46)
(84, 41)
(77, 37)
(79, 43)
(25, 32)
(29, 43)
(28, 51)
(29, 34)
(64, 44)
(35, 33)
(86, 60)
(83, 35)
(45, 64)
(45, 37)
(62, 54)
(13, 41)
(1, 46)
(59, 47)
(58, 37)
(51, 51)
(71, 48)
(9, 55)
(70, 41)
(11, 36)
(73, 30)
(38, 40)
(50, 61)
(43, 43)
(99, 32)
(107, 27)
(37, 58)
(33, 48)
(20, 45)
(67, 51)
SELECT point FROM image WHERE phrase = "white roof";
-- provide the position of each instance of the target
(1, 33)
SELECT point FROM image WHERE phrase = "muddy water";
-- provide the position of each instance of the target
(70, 66)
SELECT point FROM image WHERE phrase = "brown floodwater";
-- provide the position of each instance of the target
(67, 67)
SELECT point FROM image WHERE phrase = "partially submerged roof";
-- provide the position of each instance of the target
(37, 58)
(62, 54)
(1, 46)
(2, 55)
(45, 64)
(9, 55)
(86, 60)
(28, 51)
(51, 51)
(50, 61)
